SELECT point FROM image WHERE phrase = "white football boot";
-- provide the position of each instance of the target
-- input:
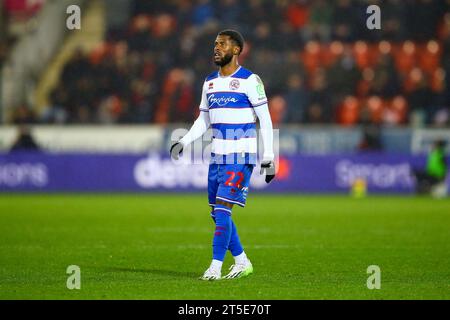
(239, 270)
(211, 275)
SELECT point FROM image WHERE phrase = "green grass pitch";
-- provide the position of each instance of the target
(156, 246)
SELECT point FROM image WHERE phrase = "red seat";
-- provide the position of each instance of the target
(375, 106)
(405, 57)
(311, 56)
(429, 57)
(348, 111)
(395, 112)
(362, 55)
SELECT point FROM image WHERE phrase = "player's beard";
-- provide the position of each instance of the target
(225, 60)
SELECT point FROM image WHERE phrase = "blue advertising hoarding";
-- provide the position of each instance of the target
(19, 172)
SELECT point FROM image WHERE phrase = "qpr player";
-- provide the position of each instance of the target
(232, 99)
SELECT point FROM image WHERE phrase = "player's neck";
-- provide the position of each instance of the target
(229, 69)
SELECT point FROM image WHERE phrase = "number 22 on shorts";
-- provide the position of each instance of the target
(232, 176)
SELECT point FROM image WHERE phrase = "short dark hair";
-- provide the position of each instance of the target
(235, 36)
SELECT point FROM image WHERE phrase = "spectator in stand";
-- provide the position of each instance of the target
(343, 76)
(262, 36)
(297, 13)
(344, 21)
(321, 15)
(24, 141)
(139, 40)
(394, 21)
(278, 110)
(421, 96)
(297, 99)
(231, 11)
(385, 82)
(371, 133)
(23, 115)
(423, 19)
(203, 12)
(320, 109)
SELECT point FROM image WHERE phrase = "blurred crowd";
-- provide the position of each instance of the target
(318, 60)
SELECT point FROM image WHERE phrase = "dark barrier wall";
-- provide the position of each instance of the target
(132, 173)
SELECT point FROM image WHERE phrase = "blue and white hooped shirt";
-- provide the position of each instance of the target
(230, 101)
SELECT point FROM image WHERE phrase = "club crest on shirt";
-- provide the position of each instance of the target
(234, 84)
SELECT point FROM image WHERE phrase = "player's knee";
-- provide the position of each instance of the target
(224, 203)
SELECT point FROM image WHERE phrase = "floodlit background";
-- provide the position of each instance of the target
(92, 111)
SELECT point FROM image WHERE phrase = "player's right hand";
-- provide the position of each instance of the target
(175, 150)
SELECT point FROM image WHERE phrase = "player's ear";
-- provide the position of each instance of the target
(236, 50)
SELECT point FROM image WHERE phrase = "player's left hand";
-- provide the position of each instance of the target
(269, 168)
(176, 150)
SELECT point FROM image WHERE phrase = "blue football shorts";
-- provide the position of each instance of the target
(229, 183)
